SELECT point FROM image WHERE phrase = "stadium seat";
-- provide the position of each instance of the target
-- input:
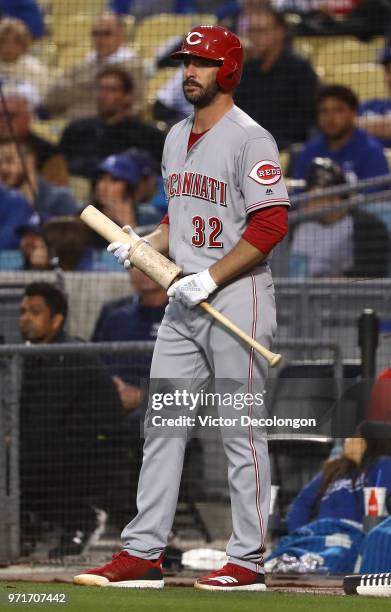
(69, 56)
(337, 51)
(154, 31)
(50, 130)
(81, 190)
(68, 30)
(154, 84)
(367, 80)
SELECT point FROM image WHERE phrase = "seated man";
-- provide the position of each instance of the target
(343, 242)
(16, 122)
(278, 87)
(359, 155)
(87, 142)
(72, 95)
(18, 169)
(70, 416)
(136, 317)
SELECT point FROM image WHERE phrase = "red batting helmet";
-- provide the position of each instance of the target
(216, 43)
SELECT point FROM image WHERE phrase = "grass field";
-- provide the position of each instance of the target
(86, 599)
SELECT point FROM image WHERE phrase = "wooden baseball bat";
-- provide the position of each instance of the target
(164, 272)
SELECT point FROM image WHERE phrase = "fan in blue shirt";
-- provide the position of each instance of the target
(358, 154)
(337, 492)
(138, 318)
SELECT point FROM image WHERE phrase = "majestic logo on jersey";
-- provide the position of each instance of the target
(194, 38)
(197, 185)
(266, 172)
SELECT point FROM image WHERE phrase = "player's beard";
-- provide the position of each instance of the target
(204, 96)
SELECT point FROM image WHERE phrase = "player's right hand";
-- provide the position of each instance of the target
(120, 252)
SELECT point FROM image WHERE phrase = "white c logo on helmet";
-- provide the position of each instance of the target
(190, 38)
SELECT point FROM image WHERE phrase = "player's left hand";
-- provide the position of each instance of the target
(193, 289)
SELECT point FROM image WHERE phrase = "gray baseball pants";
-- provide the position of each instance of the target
(191, 345)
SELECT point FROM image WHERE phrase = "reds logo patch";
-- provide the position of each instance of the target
(194, 38)
(266, 172)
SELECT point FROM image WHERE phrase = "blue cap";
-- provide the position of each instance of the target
(147, 164)
(123, 167)
(385, 55)
(33, 225)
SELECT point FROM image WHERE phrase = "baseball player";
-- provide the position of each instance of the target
(227, 209)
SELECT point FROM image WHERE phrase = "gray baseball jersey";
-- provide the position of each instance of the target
(231, 171)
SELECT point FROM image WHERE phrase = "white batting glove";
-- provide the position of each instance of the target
(120, 250)
(193, 289)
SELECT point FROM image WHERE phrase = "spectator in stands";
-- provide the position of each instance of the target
(33, 246)
(361, 18)
(16, 121)
(359, 155)
(87, 142)
(27, 11)
(337, 492)
(136, 317)
(18, 169)
(68, 241)
(70, 414)
(14, 211)
(150, 189)
(278, 87)
(375, 114)
(333, 502)
(72, 95)
(343, 242)
(118, 190)
(380, 402)
(16, 64)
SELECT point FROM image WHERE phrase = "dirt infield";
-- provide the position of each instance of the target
(320, 585)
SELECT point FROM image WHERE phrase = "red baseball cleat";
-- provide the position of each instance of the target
(232, 577)
(125, 571)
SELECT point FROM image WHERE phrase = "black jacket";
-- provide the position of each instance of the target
(70, 415)
(87, 142)
(281, 100)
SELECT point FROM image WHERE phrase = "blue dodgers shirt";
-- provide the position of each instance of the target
(123, 320)
(14, 212)
(362, 157)
(377, 107)
(341, 500)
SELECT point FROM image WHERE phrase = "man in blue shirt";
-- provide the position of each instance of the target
(375, 114)
(136, 317)
(359, 155)
(14, 212)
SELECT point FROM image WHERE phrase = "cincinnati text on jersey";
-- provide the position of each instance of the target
(196, 185)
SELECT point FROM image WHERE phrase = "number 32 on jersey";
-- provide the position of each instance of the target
(207, 233)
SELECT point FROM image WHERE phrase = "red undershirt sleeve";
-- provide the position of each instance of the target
(266, 227)
(165, 220)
